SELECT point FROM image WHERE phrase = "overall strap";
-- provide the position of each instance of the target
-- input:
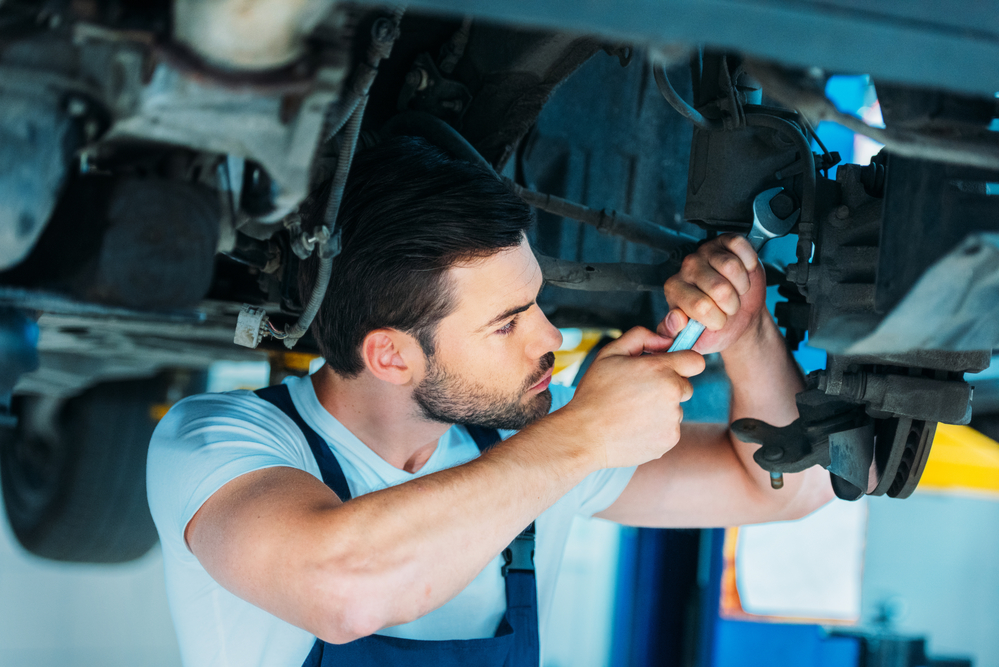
(484, 437)
(521, 583)
(329, 467)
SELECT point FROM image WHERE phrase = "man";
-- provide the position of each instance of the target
(431, 320)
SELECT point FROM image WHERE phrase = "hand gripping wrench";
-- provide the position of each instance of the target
(766, 226)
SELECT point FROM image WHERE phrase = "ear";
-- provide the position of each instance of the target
(391, 355)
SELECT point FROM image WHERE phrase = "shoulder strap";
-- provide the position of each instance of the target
(329, 467)
(484, 437)
(519, 556)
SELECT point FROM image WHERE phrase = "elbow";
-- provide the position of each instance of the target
(814, 493)
(347, 620)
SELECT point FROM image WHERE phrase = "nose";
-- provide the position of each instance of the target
(547, 338)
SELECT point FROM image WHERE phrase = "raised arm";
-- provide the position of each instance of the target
(283, 541)
(710, 477)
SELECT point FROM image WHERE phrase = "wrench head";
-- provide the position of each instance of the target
(765, 222)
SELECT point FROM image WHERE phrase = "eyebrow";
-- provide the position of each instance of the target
(505, 314)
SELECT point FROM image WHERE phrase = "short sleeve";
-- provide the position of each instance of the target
(600, 489)
(208, 440)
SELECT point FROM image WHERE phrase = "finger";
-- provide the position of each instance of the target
(685, 363)
(672, 324)
(741, 247)
(718, 287)
(687, 393)
(728, 265)
(633, 343)
(697, 305)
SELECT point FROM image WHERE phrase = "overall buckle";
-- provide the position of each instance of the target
(519, 556)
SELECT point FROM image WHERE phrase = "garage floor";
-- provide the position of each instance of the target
(55, 614)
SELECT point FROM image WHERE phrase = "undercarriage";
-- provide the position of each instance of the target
(155, 156)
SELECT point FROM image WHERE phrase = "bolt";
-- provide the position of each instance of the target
(843, 212)
(773, 453)
(782, 206)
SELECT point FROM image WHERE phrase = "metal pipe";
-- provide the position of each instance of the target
(678, 103)
(610, 222)
(983, 155)
(615, 277)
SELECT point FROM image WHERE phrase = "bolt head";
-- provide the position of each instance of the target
(773, 453)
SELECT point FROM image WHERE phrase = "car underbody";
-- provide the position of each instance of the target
(155, 155)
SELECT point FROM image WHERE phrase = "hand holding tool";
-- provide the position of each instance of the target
(766, 226)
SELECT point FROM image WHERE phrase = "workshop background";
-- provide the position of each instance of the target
(856, 581)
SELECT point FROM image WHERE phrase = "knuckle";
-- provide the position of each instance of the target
(721, 291)
(737, 241)
(703, 307)
(730, 266)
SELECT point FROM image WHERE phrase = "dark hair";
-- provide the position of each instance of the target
(410, 211)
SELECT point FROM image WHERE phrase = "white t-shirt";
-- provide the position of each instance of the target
(208, 440)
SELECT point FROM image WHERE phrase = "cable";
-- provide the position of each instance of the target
(815, 135)
(332, 248)
(678, 103)
(384, 32)
(791, 131)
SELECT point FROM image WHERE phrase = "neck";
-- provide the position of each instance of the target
(382, 415)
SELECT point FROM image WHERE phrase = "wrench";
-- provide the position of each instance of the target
(766, 226)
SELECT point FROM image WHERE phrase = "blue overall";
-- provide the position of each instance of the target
(515, 643)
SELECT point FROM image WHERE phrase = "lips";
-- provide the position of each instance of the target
(545, 381)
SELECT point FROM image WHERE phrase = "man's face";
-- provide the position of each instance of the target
(494, 354)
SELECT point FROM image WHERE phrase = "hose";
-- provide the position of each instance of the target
(678, 103)
(791, 131)
(438, 133)
(384, 32)
(331, 249)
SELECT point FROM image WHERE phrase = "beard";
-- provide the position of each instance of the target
(450, 399)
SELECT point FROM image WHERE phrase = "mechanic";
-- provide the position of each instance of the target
(430, 323)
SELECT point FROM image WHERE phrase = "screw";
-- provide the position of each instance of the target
(777, 480)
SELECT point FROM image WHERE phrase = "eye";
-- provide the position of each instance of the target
(508, 328)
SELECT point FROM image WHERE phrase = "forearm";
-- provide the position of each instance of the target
(397, 554)
(765, 379)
